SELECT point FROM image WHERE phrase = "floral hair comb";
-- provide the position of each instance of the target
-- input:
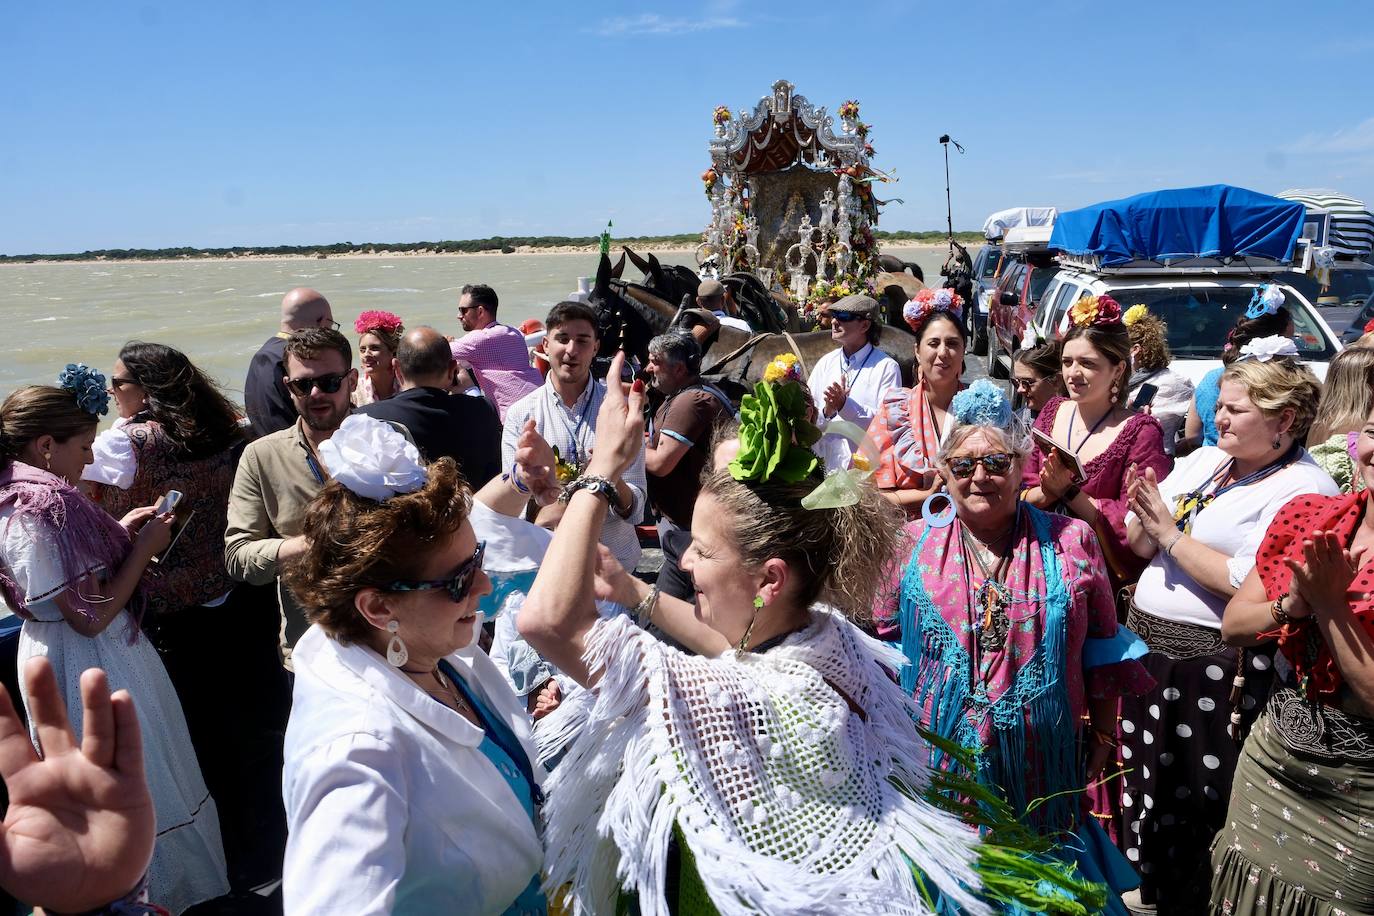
(1096, 310)
(88, 386)
(927, 301)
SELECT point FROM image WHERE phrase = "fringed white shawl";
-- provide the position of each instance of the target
(785, 798)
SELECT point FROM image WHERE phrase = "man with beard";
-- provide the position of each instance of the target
(555, 427)
(679, 439)
(280, 473)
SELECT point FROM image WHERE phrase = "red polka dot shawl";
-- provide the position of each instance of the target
(1302, 643)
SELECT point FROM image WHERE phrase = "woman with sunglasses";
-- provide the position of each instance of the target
(911, 423)
(177, 431)
(1201, 528)
(1035, 378)
(1006, 618)
(411, 783)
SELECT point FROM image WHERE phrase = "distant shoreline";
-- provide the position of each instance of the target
(658, 245)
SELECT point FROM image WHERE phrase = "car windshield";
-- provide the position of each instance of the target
(1348, 287)
(991, 255)
(1199, 319)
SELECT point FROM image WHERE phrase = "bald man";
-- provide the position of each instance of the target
(264, 396)
(463, 427)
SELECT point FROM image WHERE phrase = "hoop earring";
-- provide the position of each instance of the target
(396, 653)
(944, 518)
(749, 631)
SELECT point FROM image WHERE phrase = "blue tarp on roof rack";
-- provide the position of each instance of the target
(1216, 221)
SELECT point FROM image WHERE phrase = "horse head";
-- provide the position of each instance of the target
(627, 315)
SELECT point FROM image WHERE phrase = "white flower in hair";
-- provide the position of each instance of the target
(1266, 348)
(373, 459)
(1029, 339)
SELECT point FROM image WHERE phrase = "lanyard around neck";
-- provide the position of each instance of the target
(863, 364)
(1096, 426)
(1193, 502)
(574, 431)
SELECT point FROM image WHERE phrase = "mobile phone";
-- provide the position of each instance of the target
(170, 503)
(1145, 396)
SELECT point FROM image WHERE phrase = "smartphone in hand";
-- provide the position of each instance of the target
(1145, 396)
(171, 502)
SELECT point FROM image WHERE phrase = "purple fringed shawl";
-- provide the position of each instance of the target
(85, 536)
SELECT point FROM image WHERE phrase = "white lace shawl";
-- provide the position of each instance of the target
(784, 797)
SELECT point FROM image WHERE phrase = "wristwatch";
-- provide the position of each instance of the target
(601, 486)
(1070, 493)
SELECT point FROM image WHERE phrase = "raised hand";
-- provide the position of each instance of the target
(1142, 493)
(535, 465)
(619, 425)
(835, 396)
(79, 830)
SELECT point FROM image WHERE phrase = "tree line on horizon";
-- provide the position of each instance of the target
(505, 244)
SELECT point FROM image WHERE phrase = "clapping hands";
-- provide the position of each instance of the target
(536, 468)
(1145, 500)
(1323, 579)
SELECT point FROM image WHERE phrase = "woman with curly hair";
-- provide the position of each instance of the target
(75, 576)
(177, 431)
(775, 769)
(411, 782)
(1150, 359)
(379, 336)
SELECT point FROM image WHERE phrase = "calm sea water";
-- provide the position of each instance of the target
(220, 312)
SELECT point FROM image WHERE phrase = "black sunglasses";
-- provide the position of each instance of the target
(117, 383)
(997, 464)
(458, 585)
(846, 316)
(301, 387)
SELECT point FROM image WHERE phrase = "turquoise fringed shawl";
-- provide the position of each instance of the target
(1024, 764)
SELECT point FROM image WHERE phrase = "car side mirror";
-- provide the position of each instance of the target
(1009, 297)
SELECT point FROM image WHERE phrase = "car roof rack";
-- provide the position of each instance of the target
(1238, 266)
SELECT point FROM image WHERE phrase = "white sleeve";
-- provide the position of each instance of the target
(347, 814)
(1292, 485)
(32, 557)
(115, 461)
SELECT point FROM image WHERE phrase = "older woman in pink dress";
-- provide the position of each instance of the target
(1006, 617)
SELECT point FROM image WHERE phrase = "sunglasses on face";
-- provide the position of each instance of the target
(995, 464)
(846, 316)
(329, 384)
(118, 383)
(458, 585)
(1025, 383)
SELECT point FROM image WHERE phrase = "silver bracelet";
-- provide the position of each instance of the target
(644, 611)
(1169, 551)
(593, 483)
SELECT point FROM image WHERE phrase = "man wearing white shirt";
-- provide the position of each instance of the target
(848, 383)
(564, 411)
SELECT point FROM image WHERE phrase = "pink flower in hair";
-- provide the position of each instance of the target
(378, 320)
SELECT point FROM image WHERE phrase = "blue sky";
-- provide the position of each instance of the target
(163, 124)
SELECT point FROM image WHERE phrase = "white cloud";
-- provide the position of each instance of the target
(1342, 141)
(654, 24)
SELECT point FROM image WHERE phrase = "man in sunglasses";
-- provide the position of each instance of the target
(281, 473)
(848, 383)
(265, 397)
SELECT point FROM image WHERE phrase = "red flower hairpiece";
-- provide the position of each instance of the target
(1369, 326)
(378, 320)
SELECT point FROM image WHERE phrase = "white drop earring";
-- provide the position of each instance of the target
(396, 654)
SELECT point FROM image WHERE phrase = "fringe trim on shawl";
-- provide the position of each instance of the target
(613, 801)
(85, 536)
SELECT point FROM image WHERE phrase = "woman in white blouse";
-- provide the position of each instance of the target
(410, 782)
(1201, 527)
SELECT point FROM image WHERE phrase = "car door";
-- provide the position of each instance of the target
(1001, 314)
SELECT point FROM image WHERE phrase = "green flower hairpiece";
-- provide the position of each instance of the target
(775, 436)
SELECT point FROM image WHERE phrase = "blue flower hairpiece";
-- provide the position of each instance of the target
(88, 386)
(982, 404)
(1265, 301)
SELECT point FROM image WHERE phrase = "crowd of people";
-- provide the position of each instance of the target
(380, 640)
